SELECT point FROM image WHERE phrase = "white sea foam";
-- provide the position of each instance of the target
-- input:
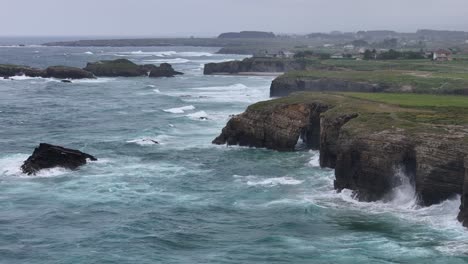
(148, 141)
(315, 159)
(171, 61)
(144, 141)
(180, 110)
(253, 180)
(11, 165)
(156, 91)
(89, 53)
(140, 53)
(198, 115)
(98, 80)
(194, 54)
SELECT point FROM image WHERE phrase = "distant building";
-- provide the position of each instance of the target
(280, 54)
(337, 56)
(284, 54)
(442, 55)
(349, 47)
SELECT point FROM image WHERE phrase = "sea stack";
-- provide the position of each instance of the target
(47, 156)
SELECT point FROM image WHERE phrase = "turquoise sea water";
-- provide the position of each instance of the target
(185, 200)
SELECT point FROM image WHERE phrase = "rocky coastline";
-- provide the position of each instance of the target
(113, 68)
(254, 65)
(367, 143)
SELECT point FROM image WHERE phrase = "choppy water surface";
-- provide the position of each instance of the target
(185, 200)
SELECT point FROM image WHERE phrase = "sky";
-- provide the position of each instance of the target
(204, 18)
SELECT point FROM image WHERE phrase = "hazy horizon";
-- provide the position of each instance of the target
(208, 18)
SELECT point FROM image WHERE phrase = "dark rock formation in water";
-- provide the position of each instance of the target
(60, 72)
(278, 128)
(48, 156)
(255, 65)
(247, 34)
(164, 70)
(116, 68)
(64, 72)
(366, 148)
(126, 68)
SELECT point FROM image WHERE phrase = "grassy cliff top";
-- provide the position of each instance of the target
(381, 111)
(414, 81)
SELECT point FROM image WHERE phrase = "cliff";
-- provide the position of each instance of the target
(258, 65)
(367, 142)
(346, 80)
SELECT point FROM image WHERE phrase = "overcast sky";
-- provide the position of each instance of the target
(211, 17)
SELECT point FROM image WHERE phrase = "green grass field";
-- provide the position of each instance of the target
(414, 100)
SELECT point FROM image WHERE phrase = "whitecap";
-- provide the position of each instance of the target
(195, 54)
(144, 141)
(89, 53)
(97, 80)
(252, 180)
(315, 159)
(170, 61)
(179, 110)
(198, 115)
(11, 165)
(156, 91)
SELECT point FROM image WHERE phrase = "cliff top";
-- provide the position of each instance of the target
(381, 111)
(405, 80)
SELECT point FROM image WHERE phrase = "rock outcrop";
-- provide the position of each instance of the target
(366, 143)
(47, 156)
(164, 70)
(64, 72)
(256, 65)
(284, 86)
(60, 72)
(117, 68)
(126, 68)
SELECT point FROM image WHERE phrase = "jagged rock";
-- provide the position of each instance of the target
(254, 65)
(64, 72)
(116, 68)
(49, 156)
(66, 81)
(9, 70)
(164, 70)
(284, 86)
(366, 148)
(126, 68)
(60, 72)
(278, 127)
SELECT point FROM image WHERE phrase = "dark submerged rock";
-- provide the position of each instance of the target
(47, 156)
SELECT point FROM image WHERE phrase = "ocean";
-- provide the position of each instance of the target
(183, 200)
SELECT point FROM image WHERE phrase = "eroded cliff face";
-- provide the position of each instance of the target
(463, 215)
(284, 86)
(278, 128)
(366, 155)
(257, 65)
